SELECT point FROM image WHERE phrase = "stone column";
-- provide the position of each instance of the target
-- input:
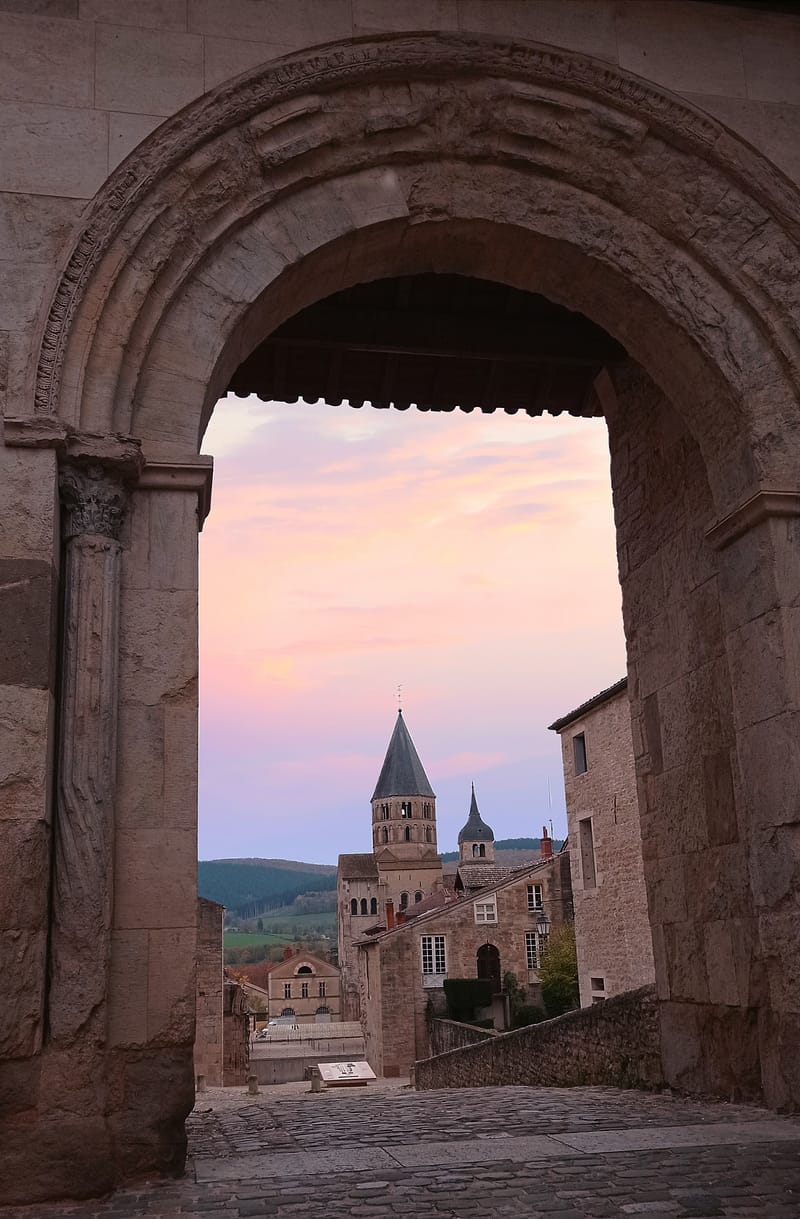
(758, 549)
(94, 501)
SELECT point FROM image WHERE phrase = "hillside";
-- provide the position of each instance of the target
(252, 886)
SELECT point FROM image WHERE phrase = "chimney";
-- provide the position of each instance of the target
(401, 917)
(546, 849)
(389, 915)
(288, 953)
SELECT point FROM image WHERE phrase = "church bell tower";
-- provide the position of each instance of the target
(403, 803)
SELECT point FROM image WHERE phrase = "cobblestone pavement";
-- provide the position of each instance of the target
(531, 1153)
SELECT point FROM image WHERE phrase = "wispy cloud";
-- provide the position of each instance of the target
(469, 557)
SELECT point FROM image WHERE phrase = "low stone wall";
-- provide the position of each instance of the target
(452, 1035)
(615, 1043)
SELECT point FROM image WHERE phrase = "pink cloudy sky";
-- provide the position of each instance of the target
(469, 558)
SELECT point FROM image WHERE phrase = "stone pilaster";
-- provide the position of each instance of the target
(94, 502)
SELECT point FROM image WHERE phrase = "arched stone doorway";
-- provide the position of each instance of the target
(530, 167)
(487, 962)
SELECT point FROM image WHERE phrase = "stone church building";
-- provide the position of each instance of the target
(403, 867)
(403, 931)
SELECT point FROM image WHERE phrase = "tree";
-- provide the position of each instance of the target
(521, 1013)
(558, 971)
(260, 924)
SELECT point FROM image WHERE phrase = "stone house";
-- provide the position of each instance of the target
(492, 930)
(304, 989)
(403, 868)
(612, 928)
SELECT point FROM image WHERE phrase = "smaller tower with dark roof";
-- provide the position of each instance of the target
(476, 839)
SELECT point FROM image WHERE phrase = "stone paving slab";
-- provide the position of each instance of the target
(711, 1135)
(294, 1164)
(479, 1151)
(755, 1177)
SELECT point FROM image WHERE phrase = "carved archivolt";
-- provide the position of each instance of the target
(312, 116)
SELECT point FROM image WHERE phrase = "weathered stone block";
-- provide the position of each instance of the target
(52, 150)
(23, 962)
(558, 22)
(26, 717)
(155, 878)
(151, 1092)
(171, 986)
(140, 766)
(158, 646)
(127, 988)
(28, 520)
(296, 23)
(653, 40)
(711, 1049)
(126, 132)
(45, 61)
(144, 14)
(27, 623)
(229, 57)
(147, 72)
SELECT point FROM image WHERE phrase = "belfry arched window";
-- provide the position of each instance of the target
(403, 901)
(384, 834)
(363, 905)
(373, 906)
(408, 833)
(353, 906)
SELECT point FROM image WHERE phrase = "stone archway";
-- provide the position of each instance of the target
(539, 169)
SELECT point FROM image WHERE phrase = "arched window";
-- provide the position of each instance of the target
(304, 969)
(428, 834)
(417, 896)
(403, 901)
(353, 906)
(408, 833)
(373, 906)
(323, 1011)
(363, 905)
(384, 834)
(474, 850)
(288, 1011)
(482, 851)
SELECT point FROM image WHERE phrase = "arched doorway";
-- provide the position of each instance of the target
(488, 966)
(544, 172)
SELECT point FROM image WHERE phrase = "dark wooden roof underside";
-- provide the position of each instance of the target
(436, 342)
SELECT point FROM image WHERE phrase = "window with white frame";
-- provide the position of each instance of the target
(535, 897)
(287, 990)
(486, 911)
(303, 990)
(534, 944)
(434, 957)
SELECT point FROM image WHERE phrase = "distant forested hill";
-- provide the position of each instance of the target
(253, 886)
(522, 845)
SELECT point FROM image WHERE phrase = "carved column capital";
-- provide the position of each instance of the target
(94, 499)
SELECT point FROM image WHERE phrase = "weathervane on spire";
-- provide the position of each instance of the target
(400, 698)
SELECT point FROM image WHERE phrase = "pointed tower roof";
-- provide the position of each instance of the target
(476, 830)
(402, 773)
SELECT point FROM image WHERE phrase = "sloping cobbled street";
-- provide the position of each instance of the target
(532, 1153)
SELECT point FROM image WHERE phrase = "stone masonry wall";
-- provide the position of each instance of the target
(612, 931)
(208, 1030)
(449, 1035)
(692, 812)
(615, 1044)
